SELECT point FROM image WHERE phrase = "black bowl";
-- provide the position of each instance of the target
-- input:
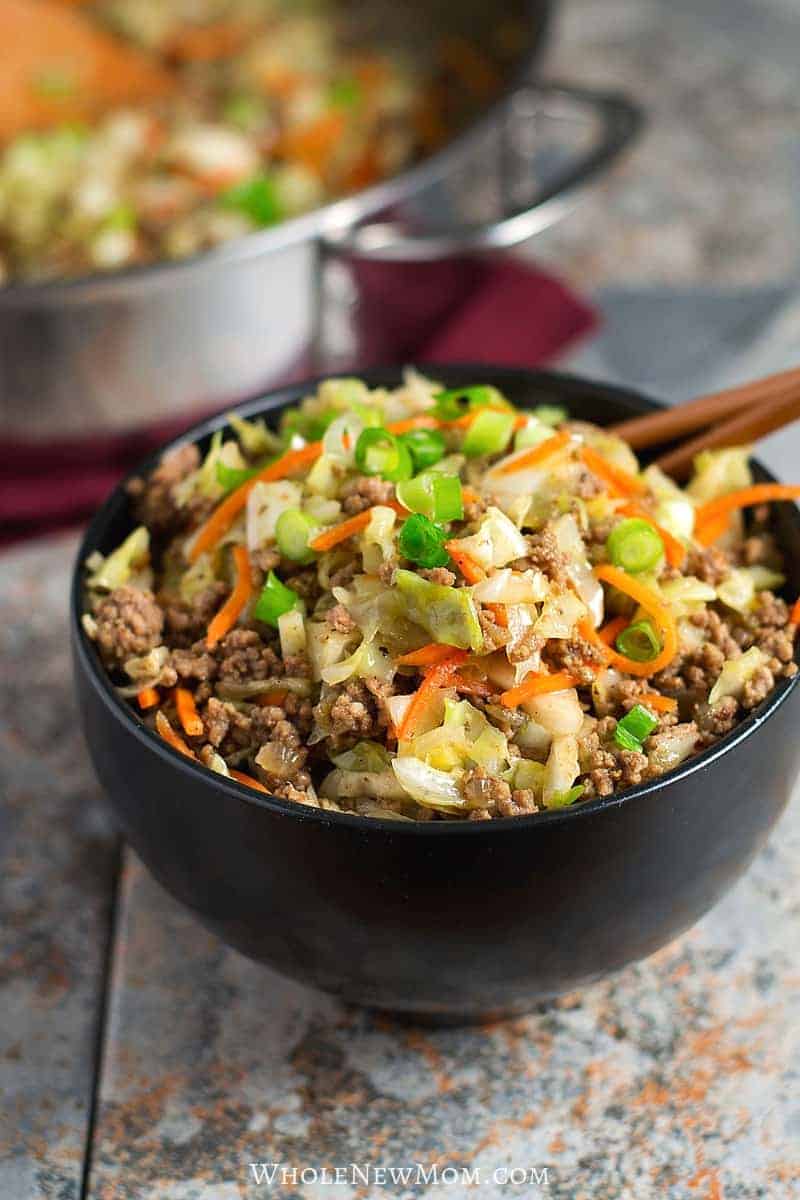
(443, 920)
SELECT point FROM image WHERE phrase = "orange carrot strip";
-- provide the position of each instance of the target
(426, 656)
(273, 699)
(469, 495)
(341, 532)
(187, 713)
(170, 736)
(247, 780)
(713, 529)
(229, 614)
(148, 697)
(537, 454)
(226, 513)
(794, 615)
(674, 550)
(536, 685)
(472, 571)
(499, 614)
(658, 702)
(620, 483)
(435, 677)
(658, 610)
(759, 493)
(608, 634)
(421, 421)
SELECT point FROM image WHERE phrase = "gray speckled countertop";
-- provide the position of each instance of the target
(679, 1077)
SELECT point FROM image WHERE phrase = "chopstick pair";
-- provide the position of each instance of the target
(731, 418)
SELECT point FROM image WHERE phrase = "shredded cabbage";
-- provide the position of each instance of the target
(511, 587)
(561, 612)
(496, 542)
(666, 750)
(364, 756)
(673, 509)
(132, 555)
(369, 659)
(265, 504)
(378, 538)
(254, 436)
(557, 712)
(686, 595)
(196, 578)
(448, 614)
(738, 590)
(429, 787)
(324, 646)
(718, 472)
(292, 633)
(561, 770)
(736, 672)
(325, 477)
(465, 736)
(570, 543)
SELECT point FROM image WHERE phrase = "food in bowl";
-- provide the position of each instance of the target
(424, 604)
(138, 130)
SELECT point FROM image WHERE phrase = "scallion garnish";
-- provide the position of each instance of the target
(231, 478)
(422, 542)
(639, 641)
(257, 198)
(427, 446)
(275, 600)
(455, 402)
(379, 452)
(294, 529)
(634, 545)
(634, 727)
(489, 433)
(564, 799)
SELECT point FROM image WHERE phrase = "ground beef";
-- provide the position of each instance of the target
(708, 563)
(344, 575)
(526, 645)
(494, 635)
(606, 766)
(575, 656)
(440, 575)
(364, 491)
(715, 720)
(195, 664)
(153, 499)
(339, 619)
(185, 622)
(544, 555)
(484, 791)
(757, 688)
(297, 665)
(235, 729)
(129, 624)
(355, 710)
(243, 656)
(265, 559)
(474, 510)
(305, 582)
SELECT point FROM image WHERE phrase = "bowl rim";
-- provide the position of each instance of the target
(273, 400)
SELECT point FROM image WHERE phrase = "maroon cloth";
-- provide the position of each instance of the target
(480, 311)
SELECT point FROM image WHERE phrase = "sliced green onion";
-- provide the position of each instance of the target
(257, 198)
(455, 402)
(427, 446)
(639, 642)
(233, 477)
(633, 728)
(564, 799)
(489, 433)
(310, 426)
(434, 495)
(422, 542)
(634, 545)
(550, 414)
(379, 452)
(294, 529)
(275, 600)
(345, 93)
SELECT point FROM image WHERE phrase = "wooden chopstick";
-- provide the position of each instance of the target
(745, 427)
(673, 423)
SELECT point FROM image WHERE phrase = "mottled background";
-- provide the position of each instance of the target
(141, 1060)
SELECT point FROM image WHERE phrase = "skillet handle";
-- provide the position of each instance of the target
(525, 178)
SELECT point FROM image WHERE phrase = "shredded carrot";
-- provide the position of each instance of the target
(247, 780)
(437, 676)
(187, 713)
(759, 493)
(226, 513)
(658, 610)
(608, 634)
(713, 529)
(148, 697)
(170, 736)
(674, 550)
(620, 483)
(341, 532)
(499, 614)
(537, 454)
(658, 702)
(231, 610)
(421, 421)
(536, 685)
(472, 571)
(273, 699)
(314, 144)
(469, 495)
(426, 656)
(794, 615)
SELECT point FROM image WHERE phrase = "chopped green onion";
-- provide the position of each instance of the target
(427, 446)
(489, 433)
(639, 642)
(345, 93)
(550, 414)
(233, 477)
(257, 198)
(633, 728)
(294, 529)
(634, 545)
(422, 542)
(455, 402)
(275, 600)
(434, 495)
(311, 426)
(564, 799)
(379, 452)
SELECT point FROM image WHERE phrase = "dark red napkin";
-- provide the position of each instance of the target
(469, 310)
